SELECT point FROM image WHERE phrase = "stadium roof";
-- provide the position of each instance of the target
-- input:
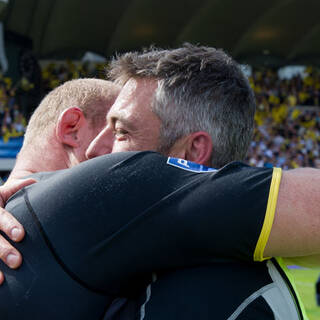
(277, 31)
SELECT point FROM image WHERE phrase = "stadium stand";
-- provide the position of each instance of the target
(287, 120)
(287, 131)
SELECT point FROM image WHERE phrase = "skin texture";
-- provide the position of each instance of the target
(295, 230)
(76, 133)
(131, 125)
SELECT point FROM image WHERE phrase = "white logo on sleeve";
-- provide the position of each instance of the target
(189, 165)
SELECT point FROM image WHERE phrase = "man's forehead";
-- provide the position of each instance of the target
(139, 86)
(138, 91)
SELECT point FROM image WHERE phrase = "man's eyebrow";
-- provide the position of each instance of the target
(123, 120)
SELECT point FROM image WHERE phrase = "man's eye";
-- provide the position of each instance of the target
(120, 133)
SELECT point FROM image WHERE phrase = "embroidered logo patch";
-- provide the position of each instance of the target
(189, 166)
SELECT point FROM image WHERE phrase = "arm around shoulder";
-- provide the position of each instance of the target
(296, 225)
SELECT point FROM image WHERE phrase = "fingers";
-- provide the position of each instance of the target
(9, 255)
(12, 187)
(13, 229)
(10, 226)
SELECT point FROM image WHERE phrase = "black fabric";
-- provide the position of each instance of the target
(40, 288)
(258, 309)
(318, 292)
(210, 292)
(98, 230)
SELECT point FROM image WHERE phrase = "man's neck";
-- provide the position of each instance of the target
(34, 159)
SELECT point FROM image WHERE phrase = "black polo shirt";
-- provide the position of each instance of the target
(104, 228)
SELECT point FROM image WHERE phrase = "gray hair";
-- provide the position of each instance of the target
(199, 89)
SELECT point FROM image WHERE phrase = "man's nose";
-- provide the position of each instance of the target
(102, 144)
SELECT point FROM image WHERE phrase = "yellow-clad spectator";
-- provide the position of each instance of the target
(274, 99)
(295, 114)
(292, 100)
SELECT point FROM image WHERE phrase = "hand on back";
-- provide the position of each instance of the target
(10, 226)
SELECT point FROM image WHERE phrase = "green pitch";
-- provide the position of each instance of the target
(305, 281)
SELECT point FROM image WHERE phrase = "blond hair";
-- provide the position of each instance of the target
(90, 95)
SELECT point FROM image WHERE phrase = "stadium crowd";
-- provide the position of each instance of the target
(287, 132)
(15, 103)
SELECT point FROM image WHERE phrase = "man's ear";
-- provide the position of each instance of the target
(199, 148)
(69, 123)
(196, 147)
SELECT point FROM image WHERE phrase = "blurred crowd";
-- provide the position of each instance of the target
(287, 121)
(12, 119)
(17, 100)
(54, 74)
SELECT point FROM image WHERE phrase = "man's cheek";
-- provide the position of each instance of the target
(120, 147)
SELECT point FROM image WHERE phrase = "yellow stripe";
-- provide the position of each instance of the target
(269, 217)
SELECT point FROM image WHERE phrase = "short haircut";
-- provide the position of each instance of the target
(199, 89)
(90, 95)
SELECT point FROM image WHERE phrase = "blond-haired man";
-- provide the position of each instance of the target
(58, 135)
